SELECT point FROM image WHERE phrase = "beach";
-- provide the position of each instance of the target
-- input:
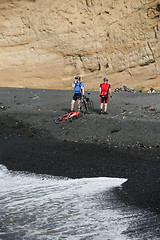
(125, 143)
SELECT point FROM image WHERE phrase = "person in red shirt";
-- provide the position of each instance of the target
(105, 92)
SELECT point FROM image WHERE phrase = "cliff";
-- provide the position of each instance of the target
(44, 44)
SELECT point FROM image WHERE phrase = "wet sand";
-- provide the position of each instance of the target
(125, 143)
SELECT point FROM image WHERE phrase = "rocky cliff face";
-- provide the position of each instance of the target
(44, 44)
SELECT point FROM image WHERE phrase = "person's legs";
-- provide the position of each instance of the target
(101, 105)
(105, 107)
(72, 104)
(74, 99)
(79, 104)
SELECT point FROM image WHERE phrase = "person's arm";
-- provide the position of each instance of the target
(100, 90)
(110, 92)
(73, 84)
(82, 90)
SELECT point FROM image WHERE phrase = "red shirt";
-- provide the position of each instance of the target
(104, 88)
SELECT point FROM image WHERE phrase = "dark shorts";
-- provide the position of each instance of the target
(77, 96)
(104, 99)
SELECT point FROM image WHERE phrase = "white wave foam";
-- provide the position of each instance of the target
(42, 207)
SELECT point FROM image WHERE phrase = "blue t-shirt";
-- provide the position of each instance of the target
(78, 86)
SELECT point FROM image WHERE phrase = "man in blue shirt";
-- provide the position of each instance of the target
(78, 92)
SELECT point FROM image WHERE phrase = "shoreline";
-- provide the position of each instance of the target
(129, 147)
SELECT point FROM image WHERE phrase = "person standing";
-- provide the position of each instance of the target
(78, 92)
(105, 92)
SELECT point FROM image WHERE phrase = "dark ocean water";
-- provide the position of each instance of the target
(38, 207)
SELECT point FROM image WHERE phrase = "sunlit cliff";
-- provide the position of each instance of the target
(45, 43)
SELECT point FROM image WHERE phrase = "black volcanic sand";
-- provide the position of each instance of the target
(125, 143)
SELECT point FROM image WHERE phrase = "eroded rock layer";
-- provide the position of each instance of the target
(44, 44)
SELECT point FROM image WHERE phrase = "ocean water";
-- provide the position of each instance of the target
(39, 207)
